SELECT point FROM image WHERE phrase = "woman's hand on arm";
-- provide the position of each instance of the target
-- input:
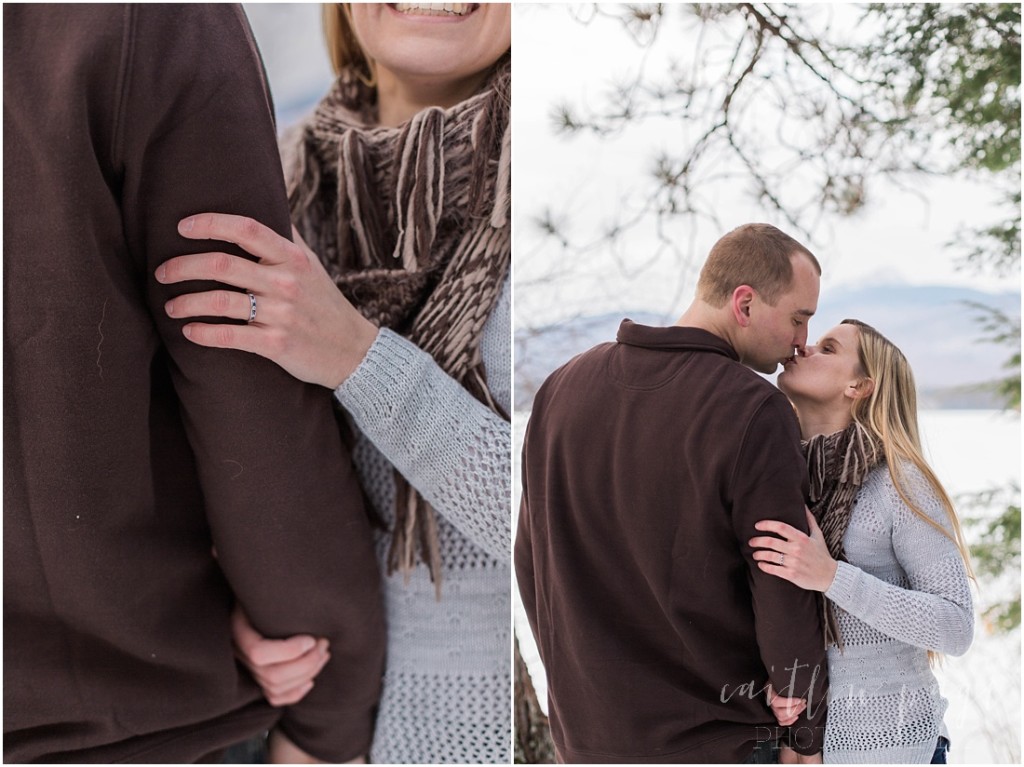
(283, 668)
(786, 710)
(798, 558)
(303, 322)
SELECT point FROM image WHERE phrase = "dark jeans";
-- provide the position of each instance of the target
(252, 751)
(941, 749)
(767, 752)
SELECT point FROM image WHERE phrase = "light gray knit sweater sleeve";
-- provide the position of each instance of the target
(452, 448)
(934, 611)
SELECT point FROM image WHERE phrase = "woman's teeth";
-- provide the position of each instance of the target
(435, 9)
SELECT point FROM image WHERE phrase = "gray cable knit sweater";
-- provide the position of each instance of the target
(447, 686)
(904, 591)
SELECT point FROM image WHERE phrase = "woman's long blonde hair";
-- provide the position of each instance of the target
(889, 414)
(342, 44)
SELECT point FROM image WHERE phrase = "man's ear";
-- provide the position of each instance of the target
(861, 389)
(742, 298)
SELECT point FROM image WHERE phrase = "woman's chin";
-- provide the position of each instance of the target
(785, 383)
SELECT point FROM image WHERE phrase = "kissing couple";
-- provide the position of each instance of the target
(719, 570)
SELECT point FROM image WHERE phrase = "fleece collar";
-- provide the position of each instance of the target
(673, 338)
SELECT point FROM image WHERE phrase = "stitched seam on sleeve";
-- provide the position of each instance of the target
(122, 88)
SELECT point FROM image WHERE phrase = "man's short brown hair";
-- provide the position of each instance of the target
(757, 255)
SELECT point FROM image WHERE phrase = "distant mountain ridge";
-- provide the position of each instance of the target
(933, 325)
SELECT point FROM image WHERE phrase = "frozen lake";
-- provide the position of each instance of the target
(970, 450)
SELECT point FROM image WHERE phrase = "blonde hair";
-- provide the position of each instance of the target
(889, 414)
(758, 255)
(342, 44)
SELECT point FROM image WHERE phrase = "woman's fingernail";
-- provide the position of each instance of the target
(186, 224)
(307, 644)
(161, 272)
(169, 308)
(187, 330)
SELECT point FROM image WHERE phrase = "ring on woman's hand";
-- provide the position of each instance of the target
(782, 559)
(252, 307)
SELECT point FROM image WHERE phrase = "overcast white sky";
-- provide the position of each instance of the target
(897, 237)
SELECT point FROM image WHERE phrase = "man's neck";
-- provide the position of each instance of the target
(701, 315)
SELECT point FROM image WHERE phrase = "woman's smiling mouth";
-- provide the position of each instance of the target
(435, 9)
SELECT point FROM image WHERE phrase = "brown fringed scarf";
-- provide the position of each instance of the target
(413, 225)
(838, 464)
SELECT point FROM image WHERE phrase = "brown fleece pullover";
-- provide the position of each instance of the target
(646, 464)
(130, 452)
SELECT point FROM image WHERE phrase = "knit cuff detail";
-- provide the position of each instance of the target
(384, 379)
(846, 586)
